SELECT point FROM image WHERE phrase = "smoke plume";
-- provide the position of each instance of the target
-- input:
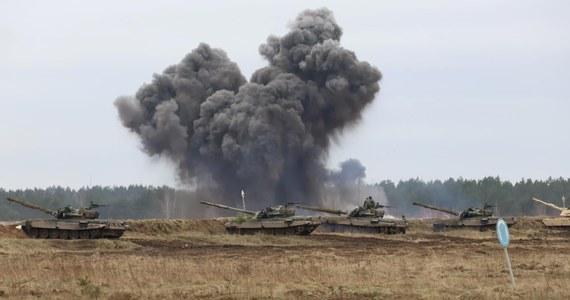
(269, 136)
(343, 189)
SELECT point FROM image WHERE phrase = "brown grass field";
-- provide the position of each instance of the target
(185, 259)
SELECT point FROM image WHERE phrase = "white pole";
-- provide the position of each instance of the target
(510, 268)
(243, 199)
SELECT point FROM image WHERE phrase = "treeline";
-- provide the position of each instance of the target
(151, 202)
(508, 199)
(132, 202)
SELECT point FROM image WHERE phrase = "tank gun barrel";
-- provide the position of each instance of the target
(249, 212)
(548, 204)
(378, 205)
(32, 206)
(96, 205)
(449, 211)
(321, 209)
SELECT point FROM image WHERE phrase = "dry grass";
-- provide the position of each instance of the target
(196, 259)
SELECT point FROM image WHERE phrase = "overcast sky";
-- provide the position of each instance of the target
(470, 88)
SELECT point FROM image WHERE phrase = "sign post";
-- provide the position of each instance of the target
(503, 235)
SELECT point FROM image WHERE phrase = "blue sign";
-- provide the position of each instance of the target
(503, 233)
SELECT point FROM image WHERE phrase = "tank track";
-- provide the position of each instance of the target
(364, 229)
(293, 230)
(44, 233)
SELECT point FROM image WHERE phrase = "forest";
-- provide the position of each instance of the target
(163, 202)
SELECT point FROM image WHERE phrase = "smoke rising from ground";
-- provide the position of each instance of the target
(344, 188)
(269, 136)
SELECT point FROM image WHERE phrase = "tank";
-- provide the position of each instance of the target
(558, 223)
(70, 223)
(275, 220)
(473, 218)
(368, 218)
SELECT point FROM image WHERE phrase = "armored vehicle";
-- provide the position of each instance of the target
(559, 223)
(473, 218)
(276, 220)
(368, 218)
(70, 223)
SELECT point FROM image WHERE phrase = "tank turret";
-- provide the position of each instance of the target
(67, 212)
(558, 223)
(564, 212)
(373, 210)
(280, 211)
(476, 212)
(276, 220)
(471, 212)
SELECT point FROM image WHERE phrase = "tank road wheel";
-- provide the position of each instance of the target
(95, 233)
(33, 232)
(53, 233)
(83, 234)
(64, 234)
(73, 234)
(44, 233)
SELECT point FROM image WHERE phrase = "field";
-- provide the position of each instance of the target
(187, 259)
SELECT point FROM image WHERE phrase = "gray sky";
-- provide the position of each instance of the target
(470, 88)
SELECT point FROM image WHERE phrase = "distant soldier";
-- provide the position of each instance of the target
(369, 203)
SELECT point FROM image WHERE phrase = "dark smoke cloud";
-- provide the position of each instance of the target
(269, 136)
(351, 173)
(345, 184)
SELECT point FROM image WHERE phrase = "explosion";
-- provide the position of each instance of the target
(269, 136)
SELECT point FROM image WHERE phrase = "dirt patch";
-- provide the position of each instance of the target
(528, 223)
(159, 227)
(10, 230)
